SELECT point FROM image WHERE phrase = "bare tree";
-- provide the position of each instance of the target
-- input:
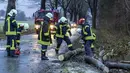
(43, 4)
(56, 3)
(11, 5)
(64, 4)
(52, 4)
(77, 9)
(93, 6)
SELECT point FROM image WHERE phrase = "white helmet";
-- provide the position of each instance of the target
(63, 20)
(49, 15)
(79, 30)
(26, 26)
(13, 11)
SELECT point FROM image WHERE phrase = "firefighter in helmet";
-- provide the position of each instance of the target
(45, 35)
(61, 33)
(87, 36)
(11, 32)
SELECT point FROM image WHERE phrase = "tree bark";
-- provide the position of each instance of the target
(43, 4)
(94, 13)
(117, 65)
(75, 17)
(65, 11)
(11, 5)
(56, 4)
(71, 16)
(96, 63)
(99, 64)
(69, 54)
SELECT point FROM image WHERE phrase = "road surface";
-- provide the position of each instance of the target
(29, 61)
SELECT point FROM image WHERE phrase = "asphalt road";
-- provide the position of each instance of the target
(29, 61)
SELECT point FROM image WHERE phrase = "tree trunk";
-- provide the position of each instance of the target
(11, 5)
(94, 13)
(65, 11)
(97, 63)
(69, 54)
(71, 16)
(117, 65)
(56, 4)
(75, 17)
(43, 4)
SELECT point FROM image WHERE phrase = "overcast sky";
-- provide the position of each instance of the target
(27, 6)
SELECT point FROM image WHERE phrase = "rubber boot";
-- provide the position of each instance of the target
(43, 56)
(8, 51)
(17, 51)
(56, 51)
(12, 53)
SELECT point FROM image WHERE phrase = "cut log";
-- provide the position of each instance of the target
(69, 54)
(117, 65)
(128, 62)
(93, 61)
(97, 63)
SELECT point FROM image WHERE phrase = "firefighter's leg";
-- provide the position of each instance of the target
(92, 47)
(59, 42)
(88, 48)
(18, 39)
(13, 46)
(43, 52)
(67, 40)
(8, 45)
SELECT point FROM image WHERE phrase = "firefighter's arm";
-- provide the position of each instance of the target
(14, 23)
(86, 30)
(69, 30)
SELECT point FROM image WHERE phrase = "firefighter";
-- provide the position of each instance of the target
(44, 35)
(20, 27)
(87, 36)
(11, 32)
(61, 33)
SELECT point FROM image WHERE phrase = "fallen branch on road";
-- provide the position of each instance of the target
(104, 65)
(69, 54)
(97, 63)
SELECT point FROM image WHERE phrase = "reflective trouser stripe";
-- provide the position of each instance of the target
(11, 33)
(89, 38)
(18, 41)
(43, 42)
(7, 46)
(57, 48)
(92, 45)
(60, 36)
(46, 34)
(18, 32)
(12, 47)
(70, 45)
(44, 50)
(13, 21)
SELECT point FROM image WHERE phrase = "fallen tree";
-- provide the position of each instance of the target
(69, 54)
(104, 65)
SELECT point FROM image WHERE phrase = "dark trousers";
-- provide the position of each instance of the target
(18, 39)
(43, 50)
(67, 40)
(88, 49)
(11, 44)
